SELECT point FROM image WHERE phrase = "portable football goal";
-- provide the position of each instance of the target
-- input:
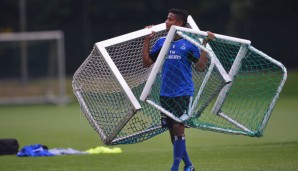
(235, 93)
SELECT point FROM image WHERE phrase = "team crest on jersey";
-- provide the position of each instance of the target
(183, 47)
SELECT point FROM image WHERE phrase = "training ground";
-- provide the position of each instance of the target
(65, 126)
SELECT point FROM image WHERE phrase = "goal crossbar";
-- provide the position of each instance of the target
(131, 36)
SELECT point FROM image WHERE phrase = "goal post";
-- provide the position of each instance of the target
(232, 73)
(36, 75)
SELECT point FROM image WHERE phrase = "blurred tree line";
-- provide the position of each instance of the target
(270, 24)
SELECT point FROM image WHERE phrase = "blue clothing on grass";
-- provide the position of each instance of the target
(34, 150)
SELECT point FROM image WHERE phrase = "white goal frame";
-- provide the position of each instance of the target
(245, 46)
(232, 73)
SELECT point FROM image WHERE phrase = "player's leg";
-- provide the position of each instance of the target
(186, 159)
(179, 144)
(179, 148)
(178, 136)
(184, 102)
(177, 106)
(185, 156)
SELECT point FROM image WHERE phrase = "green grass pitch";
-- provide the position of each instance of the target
(65, 126)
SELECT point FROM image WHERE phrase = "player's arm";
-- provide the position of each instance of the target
(147, 61)
(202, 63)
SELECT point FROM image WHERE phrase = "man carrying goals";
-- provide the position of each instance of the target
(177, 86)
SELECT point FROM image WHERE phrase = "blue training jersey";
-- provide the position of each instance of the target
(176, 71)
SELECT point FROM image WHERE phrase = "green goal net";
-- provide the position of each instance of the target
(243, 106)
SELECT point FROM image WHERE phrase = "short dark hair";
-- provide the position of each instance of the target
(181, 15)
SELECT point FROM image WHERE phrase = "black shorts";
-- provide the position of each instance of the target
(176, 105)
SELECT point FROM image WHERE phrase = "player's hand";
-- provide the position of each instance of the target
(152, 33)
(211, 35)
(209, 38)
